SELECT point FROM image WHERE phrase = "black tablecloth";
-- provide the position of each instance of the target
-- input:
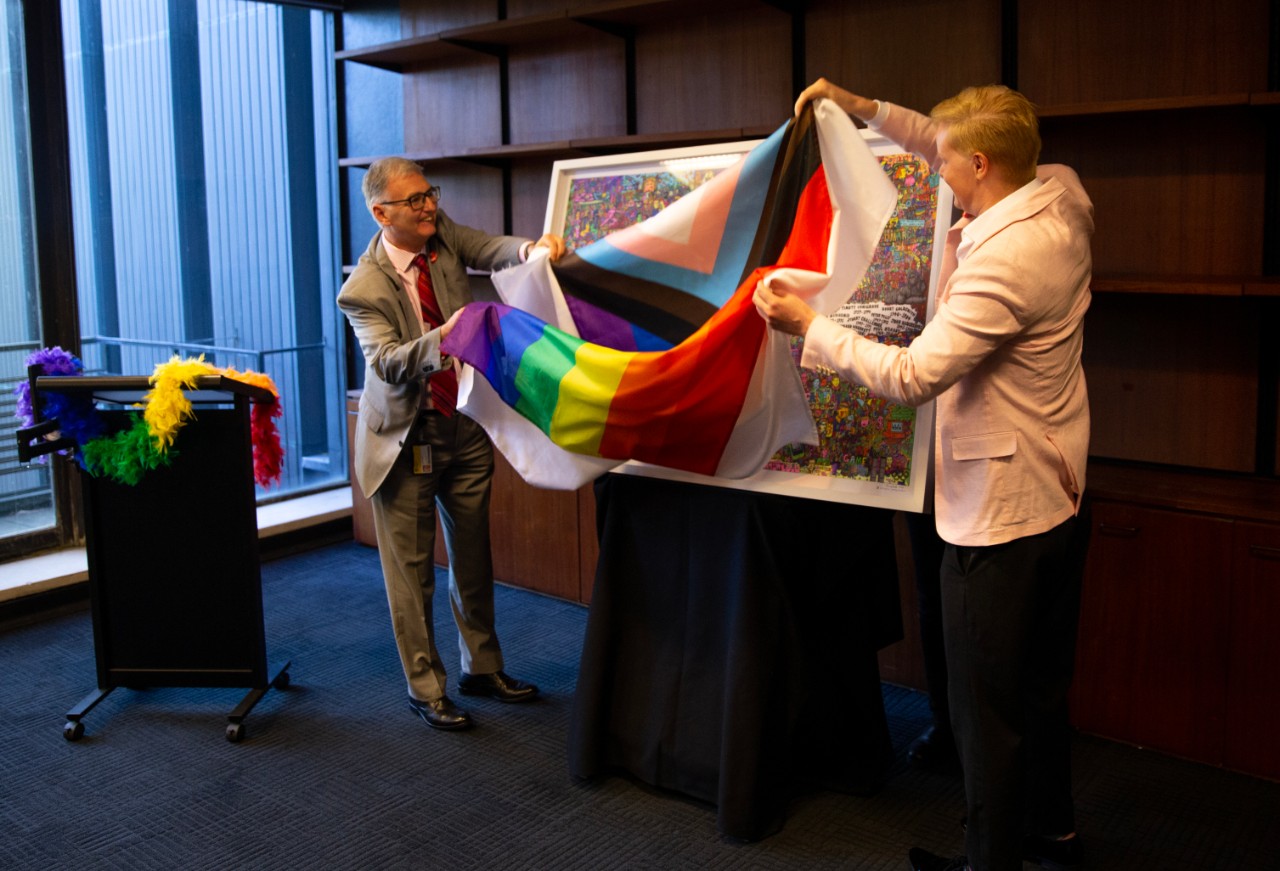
(730, 651)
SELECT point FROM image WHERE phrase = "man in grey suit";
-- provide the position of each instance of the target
(412, 451)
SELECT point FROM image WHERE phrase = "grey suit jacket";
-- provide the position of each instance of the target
(398, 355)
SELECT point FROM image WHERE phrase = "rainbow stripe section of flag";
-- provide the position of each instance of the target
(646, 345)
(674, 408)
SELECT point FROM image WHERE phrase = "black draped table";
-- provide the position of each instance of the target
(730, 651)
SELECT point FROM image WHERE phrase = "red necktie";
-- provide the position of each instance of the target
(444, 384)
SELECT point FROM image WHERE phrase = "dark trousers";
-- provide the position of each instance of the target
(927, 549)
(1010, 614)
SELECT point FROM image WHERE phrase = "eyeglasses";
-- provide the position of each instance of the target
(418, 200)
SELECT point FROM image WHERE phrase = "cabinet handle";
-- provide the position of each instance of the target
(1118, 531)
(1263, 552)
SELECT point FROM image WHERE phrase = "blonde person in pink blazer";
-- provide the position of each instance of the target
(1001, 357)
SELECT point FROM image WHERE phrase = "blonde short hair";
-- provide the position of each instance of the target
(996, 120)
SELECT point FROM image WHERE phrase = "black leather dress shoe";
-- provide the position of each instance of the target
(1055, 854)
(441, 714)
(923, 860)
(498, 685)
(934, 750)
(1052, 853)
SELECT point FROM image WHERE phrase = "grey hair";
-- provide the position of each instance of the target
(381, 173)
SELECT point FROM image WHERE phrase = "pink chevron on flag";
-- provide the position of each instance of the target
(675, 237)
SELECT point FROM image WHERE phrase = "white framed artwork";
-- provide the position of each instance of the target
(871, 451)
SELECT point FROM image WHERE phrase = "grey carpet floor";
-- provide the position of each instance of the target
(336, 773)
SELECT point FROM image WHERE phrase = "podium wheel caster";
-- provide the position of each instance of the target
(73, 730)
(282, 681)
(235, 732)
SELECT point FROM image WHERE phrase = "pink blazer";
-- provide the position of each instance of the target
(1001, 356)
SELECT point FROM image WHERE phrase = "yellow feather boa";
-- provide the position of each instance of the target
(168, 409)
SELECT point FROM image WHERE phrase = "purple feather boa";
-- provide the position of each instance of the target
(75, 415)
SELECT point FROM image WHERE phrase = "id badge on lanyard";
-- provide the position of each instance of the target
(421, 452)
(422, 459)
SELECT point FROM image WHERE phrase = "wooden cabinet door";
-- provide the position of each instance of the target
(535, 534)
(1151, 660)
(1253, 663)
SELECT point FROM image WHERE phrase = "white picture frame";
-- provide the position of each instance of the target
(845, 476)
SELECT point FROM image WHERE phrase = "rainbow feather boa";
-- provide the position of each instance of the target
(129, 454)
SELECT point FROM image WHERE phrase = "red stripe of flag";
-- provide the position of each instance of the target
(678, 408)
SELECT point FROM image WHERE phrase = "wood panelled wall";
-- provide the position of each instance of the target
(1168, 109)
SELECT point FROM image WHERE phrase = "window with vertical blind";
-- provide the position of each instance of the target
(202, 155)
(26, 492)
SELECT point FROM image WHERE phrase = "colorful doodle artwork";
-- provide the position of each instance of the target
(599, 205)
(864, 437)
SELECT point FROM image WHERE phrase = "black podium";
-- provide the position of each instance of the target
(174, 574)
(731, 647)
